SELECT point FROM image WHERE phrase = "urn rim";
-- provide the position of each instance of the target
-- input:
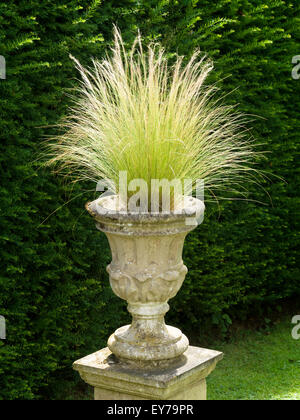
(106, 208)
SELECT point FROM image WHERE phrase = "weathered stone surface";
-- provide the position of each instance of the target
(146, 271)
(114, 380)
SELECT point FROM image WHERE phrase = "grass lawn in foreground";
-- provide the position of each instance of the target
(258, 366)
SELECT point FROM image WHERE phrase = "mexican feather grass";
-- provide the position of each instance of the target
(134, 112)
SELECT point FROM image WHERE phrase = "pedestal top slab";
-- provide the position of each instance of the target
(102, 370)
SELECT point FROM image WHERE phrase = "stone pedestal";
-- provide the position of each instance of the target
(148, 359)
(115, 380)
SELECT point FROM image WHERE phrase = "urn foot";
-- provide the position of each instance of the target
(148, 341)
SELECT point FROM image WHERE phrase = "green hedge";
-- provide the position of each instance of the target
(54, 291)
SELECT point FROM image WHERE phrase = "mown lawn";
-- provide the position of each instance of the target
(258, 366)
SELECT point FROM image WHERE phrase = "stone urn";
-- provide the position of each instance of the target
(146, 270)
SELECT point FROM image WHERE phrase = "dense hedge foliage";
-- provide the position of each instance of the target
(54, 291)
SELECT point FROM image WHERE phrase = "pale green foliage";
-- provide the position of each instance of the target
(133, 112)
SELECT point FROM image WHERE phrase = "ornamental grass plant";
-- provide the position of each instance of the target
(133, 111)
